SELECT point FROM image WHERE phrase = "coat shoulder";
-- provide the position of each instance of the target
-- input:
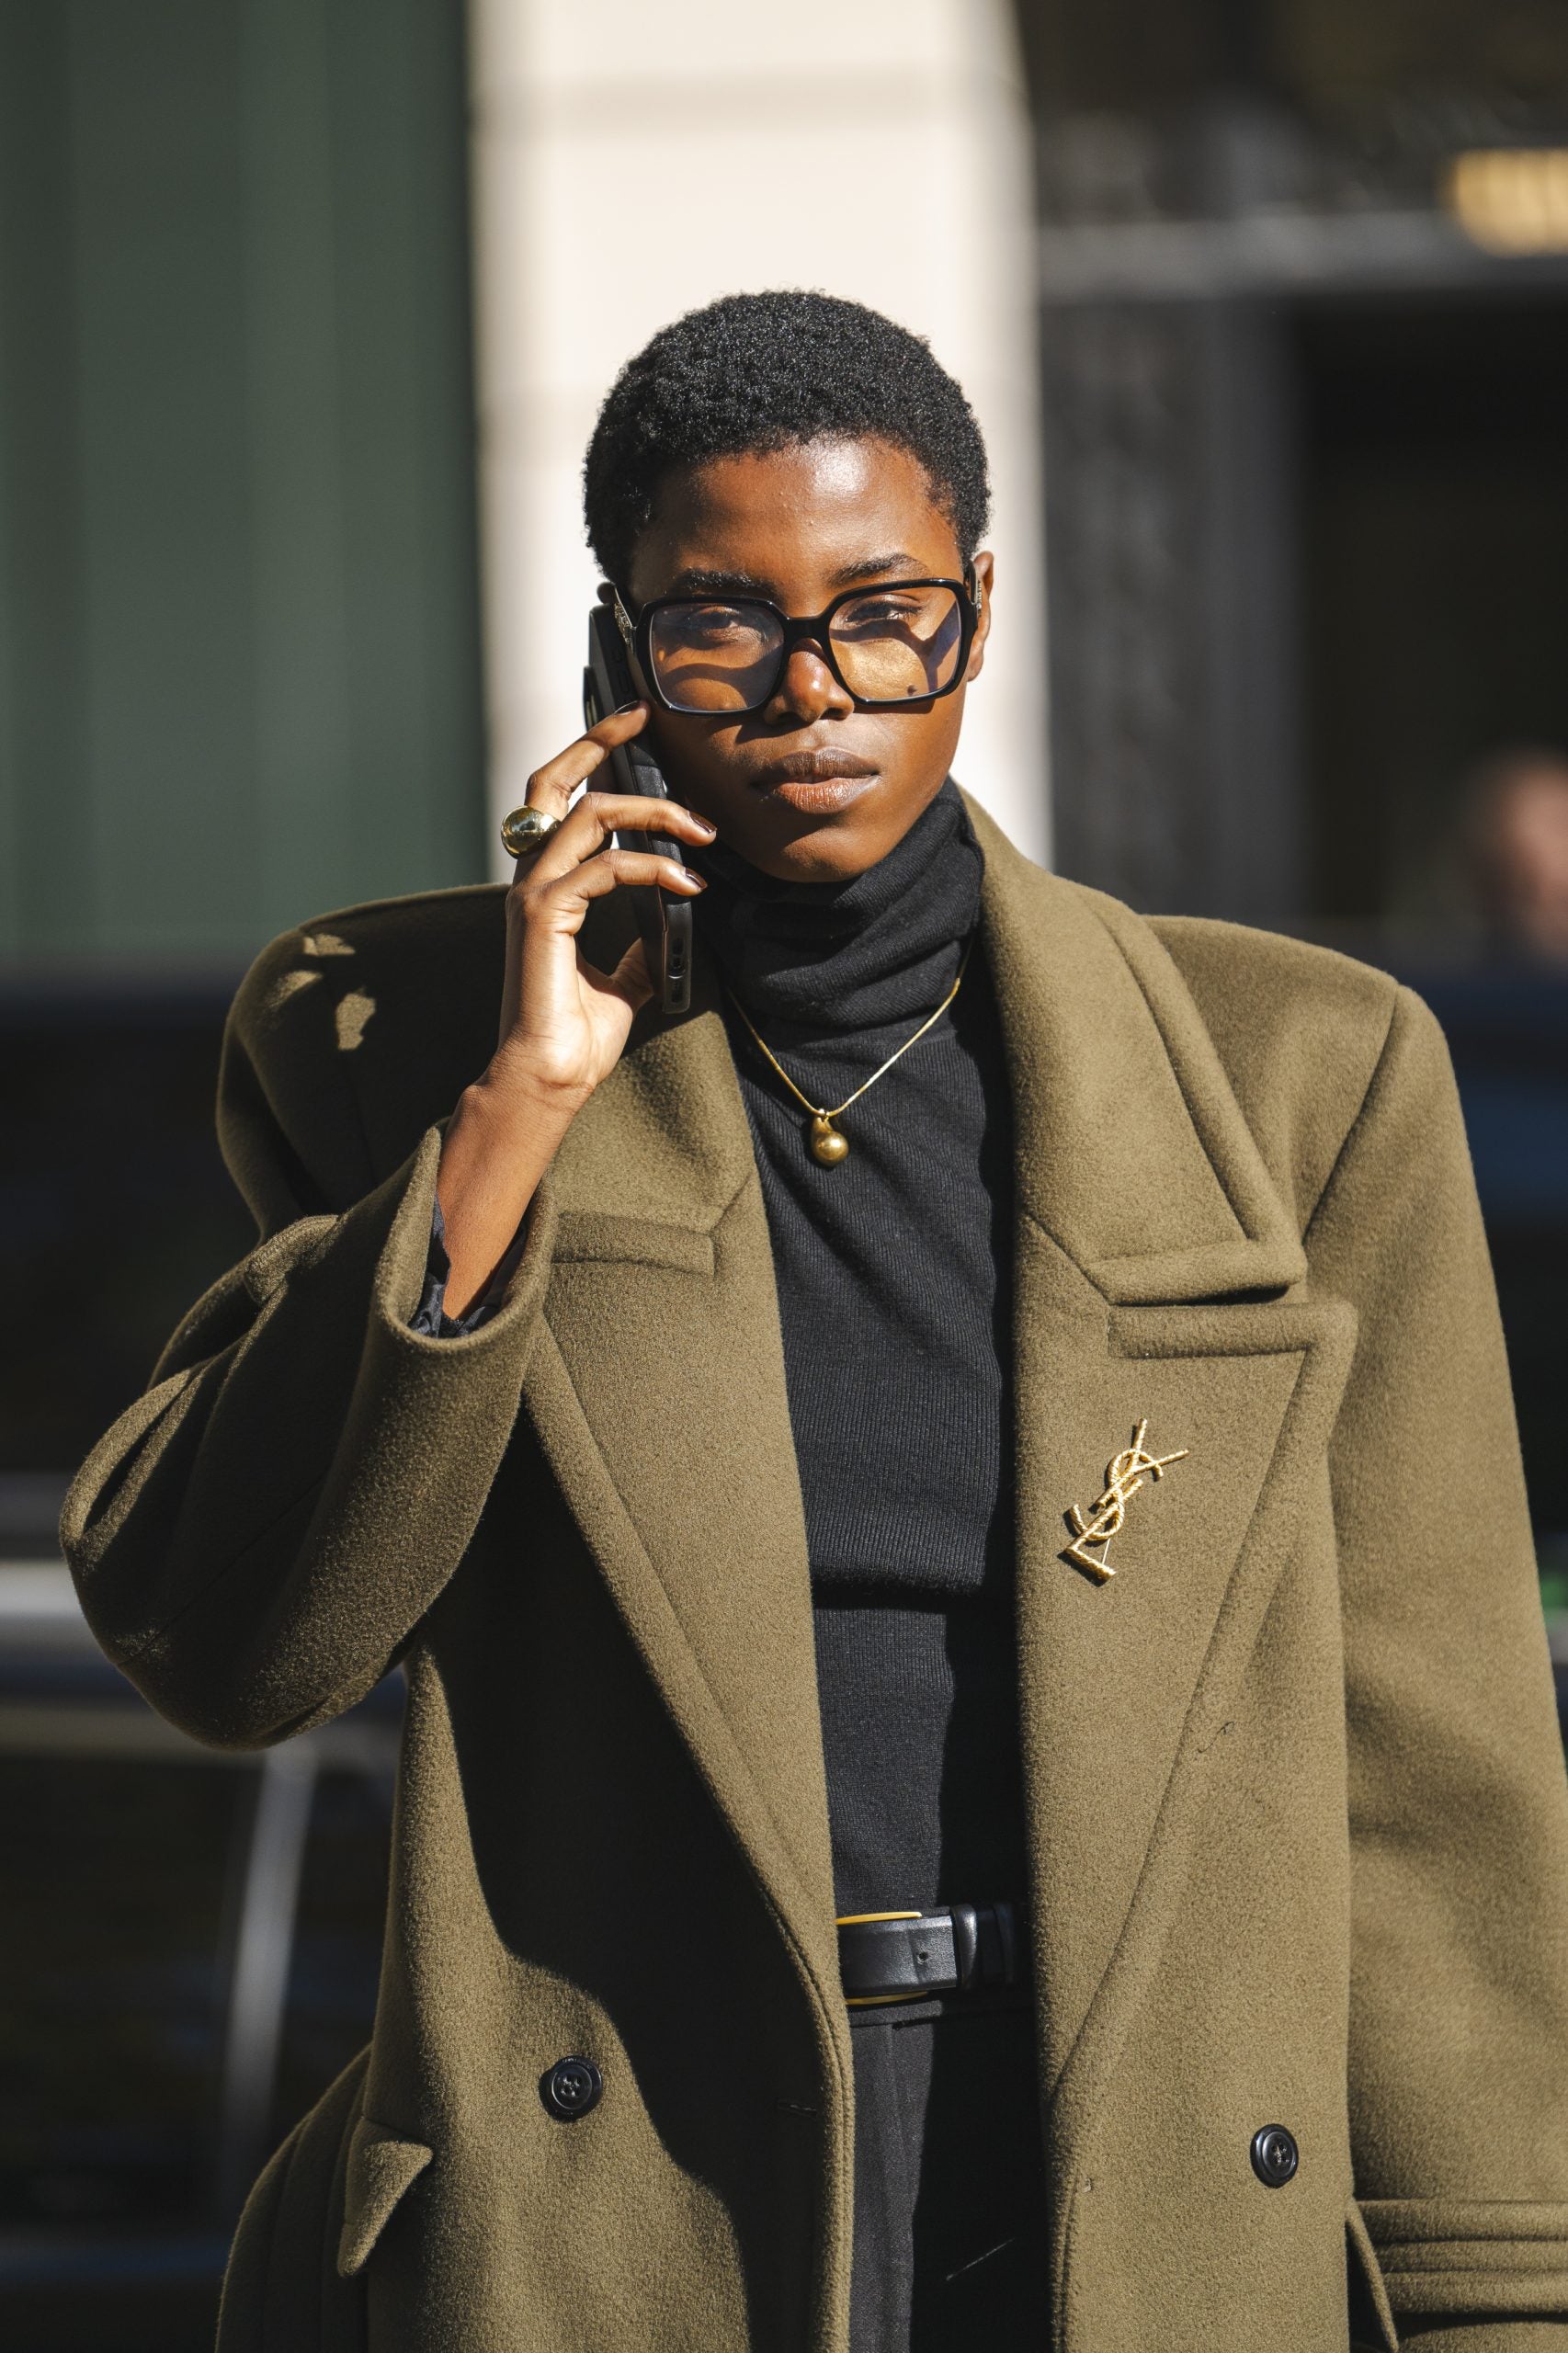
(1299, 1030)
(355, 1031)
(400, 943)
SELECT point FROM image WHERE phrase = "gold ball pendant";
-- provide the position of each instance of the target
(827, 1145)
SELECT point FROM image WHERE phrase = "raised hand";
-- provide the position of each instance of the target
(563, 1023)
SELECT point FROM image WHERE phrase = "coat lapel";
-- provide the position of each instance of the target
(659, 1397)
(1159, 1277)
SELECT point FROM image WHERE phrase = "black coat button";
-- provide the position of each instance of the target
(1275, 2155)
(569, 2088)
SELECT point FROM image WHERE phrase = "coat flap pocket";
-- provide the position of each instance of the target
(593, 1236)
(1371, 2315)
(1460, 2255)
(381, 2167)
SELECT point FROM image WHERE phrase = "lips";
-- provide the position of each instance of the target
(814, 767)
(819, 796)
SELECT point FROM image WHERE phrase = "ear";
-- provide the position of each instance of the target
(984, 570)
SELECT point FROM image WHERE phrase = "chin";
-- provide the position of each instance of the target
(816, 853)
(818, 861)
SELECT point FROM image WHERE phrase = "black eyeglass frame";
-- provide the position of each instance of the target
(799, 630)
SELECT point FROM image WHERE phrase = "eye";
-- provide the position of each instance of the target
(880, 612)
(710, 625)
(711, 620)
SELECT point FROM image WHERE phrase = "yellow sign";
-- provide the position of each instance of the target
(1511, 199)
(1125, 1474)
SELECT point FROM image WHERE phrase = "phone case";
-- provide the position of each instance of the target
(664, 919)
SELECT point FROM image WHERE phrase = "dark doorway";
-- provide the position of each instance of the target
(1435, 514)
(1434, 452)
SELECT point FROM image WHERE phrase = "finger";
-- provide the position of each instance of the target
(551, 787)
(613, 869)
(599, 815)
(629, 980)
(553, 917)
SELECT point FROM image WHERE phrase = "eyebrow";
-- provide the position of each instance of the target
(899, 561)
(699, 580)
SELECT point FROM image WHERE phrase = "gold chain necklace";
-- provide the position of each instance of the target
(825, 1142)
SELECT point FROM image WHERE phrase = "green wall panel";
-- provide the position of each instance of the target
(239, 667)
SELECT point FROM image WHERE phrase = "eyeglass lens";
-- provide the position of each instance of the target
(892, 645)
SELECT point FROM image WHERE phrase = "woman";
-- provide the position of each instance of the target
(1075, 1512)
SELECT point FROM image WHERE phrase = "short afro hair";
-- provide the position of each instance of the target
(761, 372)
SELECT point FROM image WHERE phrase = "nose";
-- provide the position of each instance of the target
(806, 690)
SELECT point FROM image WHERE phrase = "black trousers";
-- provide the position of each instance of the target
(950, 2247)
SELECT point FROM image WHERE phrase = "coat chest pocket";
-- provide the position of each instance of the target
(591, 1237)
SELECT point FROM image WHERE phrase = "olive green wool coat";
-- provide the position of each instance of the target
(1296, 1802)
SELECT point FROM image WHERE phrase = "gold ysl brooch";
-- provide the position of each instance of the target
(1124, 1476)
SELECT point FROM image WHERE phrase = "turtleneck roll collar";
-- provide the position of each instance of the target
(881, 946)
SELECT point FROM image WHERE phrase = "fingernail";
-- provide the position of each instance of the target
(709, 829)
(693, 882)
(622, 708)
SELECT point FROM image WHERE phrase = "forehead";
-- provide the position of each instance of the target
(797, 522)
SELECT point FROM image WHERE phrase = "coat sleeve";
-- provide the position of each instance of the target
(1459, 2027)
(256, 1537)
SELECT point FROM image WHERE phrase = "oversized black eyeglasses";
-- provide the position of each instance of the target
(901, 641)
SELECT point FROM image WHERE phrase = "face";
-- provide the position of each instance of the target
(1530, 857)
(809, 789)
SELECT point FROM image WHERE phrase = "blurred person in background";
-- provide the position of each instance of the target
(1515, 826)
(980, 1762)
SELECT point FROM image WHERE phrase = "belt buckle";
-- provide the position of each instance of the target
(878, 2001)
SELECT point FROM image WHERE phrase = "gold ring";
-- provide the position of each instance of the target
(525, 831)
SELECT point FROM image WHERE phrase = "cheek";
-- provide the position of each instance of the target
(677, 744)
(699, 761)
(912, 742)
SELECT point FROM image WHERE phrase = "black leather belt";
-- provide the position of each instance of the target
(901, 1956)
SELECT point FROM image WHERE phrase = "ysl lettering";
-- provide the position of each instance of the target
(1125, 1474)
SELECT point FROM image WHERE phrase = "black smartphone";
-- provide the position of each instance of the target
(664, 919)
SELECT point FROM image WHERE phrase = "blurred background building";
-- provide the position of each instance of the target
(305, 307)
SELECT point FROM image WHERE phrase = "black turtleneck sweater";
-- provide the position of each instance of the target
(892, 1272)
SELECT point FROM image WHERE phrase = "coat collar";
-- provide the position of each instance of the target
(1132, 1153)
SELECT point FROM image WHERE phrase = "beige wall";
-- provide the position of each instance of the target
(630, 161)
